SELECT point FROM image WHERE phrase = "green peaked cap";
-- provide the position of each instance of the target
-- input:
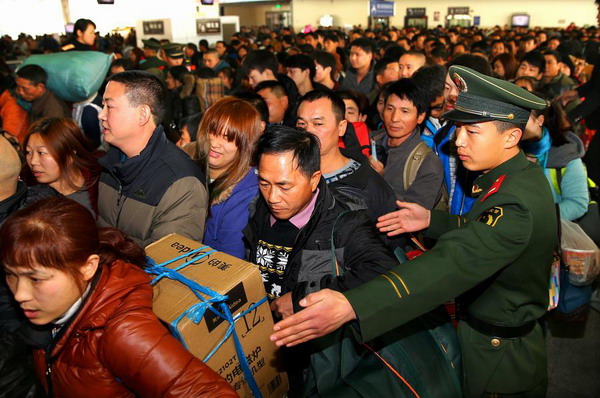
(173, 50)
(151, 43)
(483, 98)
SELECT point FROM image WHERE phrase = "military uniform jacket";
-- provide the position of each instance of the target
(499, 254)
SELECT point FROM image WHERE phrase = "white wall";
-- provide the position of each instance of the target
(252, 14)
(182, 14)
(35, 17)
(45, 16)
(344, 12)
(547, 13)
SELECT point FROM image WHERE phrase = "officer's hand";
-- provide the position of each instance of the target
(568, 96)
(324, 312)
(410, 218)
(283, 306)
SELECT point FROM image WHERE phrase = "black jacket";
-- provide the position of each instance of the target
(589, 109)
(360, 253)
(366, 188)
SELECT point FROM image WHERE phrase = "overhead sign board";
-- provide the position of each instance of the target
(154, 27)
(458, 10)
(208, 26)
(416, 12)
(381, 8)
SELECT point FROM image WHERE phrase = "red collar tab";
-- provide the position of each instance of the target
(495, 187)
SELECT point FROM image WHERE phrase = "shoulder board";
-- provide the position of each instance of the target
(495, 187)
(68, 47)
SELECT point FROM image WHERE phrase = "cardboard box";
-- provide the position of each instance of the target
(241, 281)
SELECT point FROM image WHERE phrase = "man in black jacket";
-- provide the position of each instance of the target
(297, 225)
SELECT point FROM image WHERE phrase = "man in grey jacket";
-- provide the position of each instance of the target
(149, 188)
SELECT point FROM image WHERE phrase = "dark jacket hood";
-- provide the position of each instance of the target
(559, 156)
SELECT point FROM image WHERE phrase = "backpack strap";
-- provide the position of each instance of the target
(556, 175)
(413, 163)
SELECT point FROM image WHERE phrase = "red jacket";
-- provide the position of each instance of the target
(116, 347)
(14, 118)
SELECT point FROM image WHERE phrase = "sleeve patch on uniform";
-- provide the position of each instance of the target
(491, 216)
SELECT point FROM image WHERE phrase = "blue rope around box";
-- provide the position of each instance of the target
(196, 312)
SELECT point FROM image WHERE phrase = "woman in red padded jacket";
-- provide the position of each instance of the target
(85, 293)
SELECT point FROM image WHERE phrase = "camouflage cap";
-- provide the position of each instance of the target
(483, 98)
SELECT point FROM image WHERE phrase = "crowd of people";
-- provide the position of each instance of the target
(323, 157)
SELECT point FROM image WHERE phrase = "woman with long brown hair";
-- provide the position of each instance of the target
(85, 291)
(505, 66)
(225, 141)
(59, 155)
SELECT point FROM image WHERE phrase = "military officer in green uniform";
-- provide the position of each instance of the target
(497, 258)
(153, 64)
(174, 55)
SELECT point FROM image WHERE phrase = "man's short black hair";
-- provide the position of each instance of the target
(430, 79)
(382, 64)
(192, 46)
(325, 59)
(288, 39)
(555, 54)
(191, 122)
(228, 72)
(475, 62)
(528, 38)
(143, 88)
(332, 37)
(119, 62)
(406, 89)
(481, 46)
(257, 102)
(34, 73)
(439, 52)
(361, 100)
(535, 58)
(337, 104)
(365, 44)
(280, 139)
(303, 62)
(394, 51)
(274, 85)
(502, 126)
(260, 60)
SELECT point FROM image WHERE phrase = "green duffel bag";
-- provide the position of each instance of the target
(421, 358)
(74, 75)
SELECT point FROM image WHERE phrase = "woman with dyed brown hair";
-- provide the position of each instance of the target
(59, 155)
(505, 66)
(225, 141)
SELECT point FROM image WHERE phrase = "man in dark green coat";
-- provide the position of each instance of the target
(497, 258)
(153, 64)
